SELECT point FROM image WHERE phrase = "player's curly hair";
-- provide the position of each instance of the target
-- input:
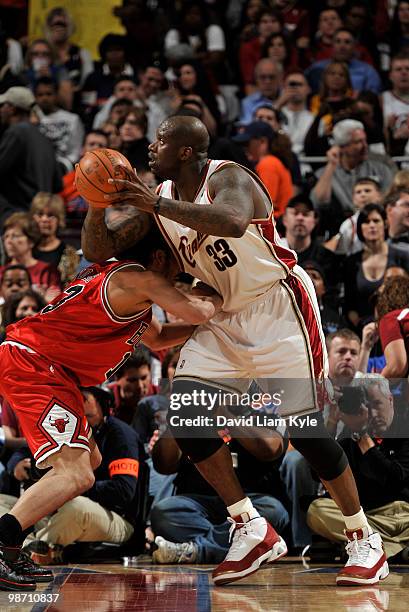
(393, 296)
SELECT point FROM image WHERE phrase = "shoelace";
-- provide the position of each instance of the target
(237, 533)
(5, 567)
(180, 551)
(358, 550)
(24, 562)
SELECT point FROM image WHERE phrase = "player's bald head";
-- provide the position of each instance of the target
(187, 132)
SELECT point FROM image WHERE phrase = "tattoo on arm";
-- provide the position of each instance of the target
(100, 242)
(229, 214)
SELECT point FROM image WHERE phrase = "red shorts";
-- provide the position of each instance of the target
(46, 400)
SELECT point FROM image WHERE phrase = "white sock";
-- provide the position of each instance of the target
(357, 521)
(243, 508)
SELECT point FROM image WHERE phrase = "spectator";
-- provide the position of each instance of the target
(99, 85)
(111, 131)
(279, 48)
(296, 20)
(41, 62)
(257, 138)
(346, 242)
(331, 317)
(293, 105)
(347, 161)
(397, 214)
(76, 60)
(268, 22)
(152, 95)
(190, 526)
(14, 279)
(204, 36)
(363, 75)
(106, 512)
(48, 213)
(20, 237)
(399, 31)
(366, 108)
(300, 220)
(62, 128)
(379, 458)
(144, 29)
(27, 158)
(132, 130)
(281, 144)
(393, 322)
(124, 89)
(329, 22)
(20, 305)
(396, 105)
(268, 77)
(192, 84)
(364, 271)
(132, 382)
(358, 18)
(8, 76)
(344, 351)
(331, 104)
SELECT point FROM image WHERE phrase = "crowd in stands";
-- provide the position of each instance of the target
(314, 99)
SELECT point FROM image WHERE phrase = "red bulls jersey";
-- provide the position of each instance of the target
(79, 331)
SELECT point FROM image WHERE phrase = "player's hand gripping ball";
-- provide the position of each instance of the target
(94, 170)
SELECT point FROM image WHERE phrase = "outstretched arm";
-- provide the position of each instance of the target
(99, 243)
(228, 216)
(162, 336)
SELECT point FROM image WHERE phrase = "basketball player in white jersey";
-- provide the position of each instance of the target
(217, 217)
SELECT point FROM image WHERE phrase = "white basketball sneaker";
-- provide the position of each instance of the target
(367, 562)
(252, 543)
(174, 552)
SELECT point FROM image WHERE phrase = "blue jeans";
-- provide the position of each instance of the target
(296, 474)
(202, 519)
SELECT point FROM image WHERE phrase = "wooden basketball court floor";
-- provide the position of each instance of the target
(283, 587)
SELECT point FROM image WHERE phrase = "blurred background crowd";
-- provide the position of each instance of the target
(313, 98)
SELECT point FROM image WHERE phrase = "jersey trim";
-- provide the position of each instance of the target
(104, 296)
(403, 314)
(169, 241)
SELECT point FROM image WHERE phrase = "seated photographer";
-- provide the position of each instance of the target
(379, 458)
(105, 512)
(191, 526)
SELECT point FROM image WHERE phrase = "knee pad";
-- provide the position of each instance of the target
(322, 452)
(191, 418)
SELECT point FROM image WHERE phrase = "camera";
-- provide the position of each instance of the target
(351, 399)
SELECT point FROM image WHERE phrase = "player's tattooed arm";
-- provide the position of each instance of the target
(100, 242)
(229, 214)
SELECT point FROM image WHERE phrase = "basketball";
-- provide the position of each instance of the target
(94, 170)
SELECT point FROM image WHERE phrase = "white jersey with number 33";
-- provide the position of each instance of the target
(239, 269)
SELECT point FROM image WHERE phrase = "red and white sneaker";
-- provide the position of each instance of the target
(252, 543)
(367, 562)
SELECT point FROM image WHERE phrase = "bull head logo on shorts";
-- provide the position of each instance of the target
(60, 424)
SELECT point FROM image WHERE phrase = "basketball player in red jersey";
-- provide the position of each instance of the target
(217, 217)
(80, 339)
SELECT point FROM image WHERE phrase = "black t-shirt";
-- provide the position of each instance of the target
(51, 257)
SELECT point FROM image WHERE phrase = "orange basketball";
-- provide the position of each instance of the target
(94, 170)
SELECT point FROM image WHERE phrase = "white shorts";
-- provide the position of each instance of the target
(277, 340)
